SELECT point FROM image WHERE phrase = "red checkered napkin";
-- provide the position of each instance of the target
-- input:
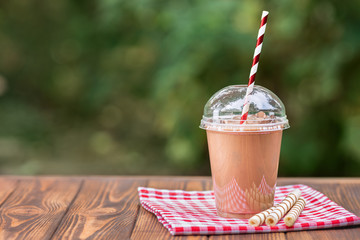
(194, 212)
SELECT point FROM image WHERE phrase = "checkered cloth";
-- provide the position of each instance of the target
(194, 212)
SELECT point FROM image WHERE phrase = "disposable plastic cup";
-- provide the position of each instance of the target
(244, 157)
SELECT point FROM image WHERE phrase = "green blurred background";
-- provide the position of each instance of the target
(118, 87)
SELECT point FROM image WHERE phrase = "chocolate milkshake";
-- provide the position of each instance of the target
(244, 157)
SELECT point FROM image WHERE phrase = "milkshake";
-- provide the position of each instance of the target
(244, 157)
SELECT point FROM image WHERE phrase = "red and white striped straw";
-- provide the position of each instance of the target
(254, 67)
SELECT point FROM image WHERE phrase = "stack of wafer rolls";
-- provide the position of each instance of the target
(295, 211)
(259, 218)
(280, 210)
(293, 205)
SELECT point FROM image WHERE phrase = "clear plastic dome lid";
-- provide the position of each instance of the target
(223, 111)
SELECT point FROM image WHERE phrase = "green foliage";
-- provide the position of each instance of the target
(118, 87)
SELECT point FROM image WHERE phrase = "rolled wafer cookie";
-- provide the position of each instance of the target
(259, 218)
(294, 212)
(281, 209)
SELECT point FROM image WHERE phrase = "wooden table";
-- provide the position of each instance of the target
(108, 207)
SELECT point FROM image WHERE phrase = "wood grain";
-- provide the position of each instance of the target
(35, 208)
(348, 193)
(7, 187)
(105, 208)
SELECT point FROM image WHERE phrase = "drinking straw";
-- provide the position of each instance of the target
(254, 67)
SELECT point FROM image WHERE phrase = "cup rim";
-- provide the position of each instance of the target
(207, 123)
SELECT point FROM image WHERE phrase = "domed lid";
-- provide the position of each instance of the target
(223, 111)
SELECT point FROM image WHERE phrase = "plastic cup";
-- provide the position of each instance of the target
(244, 157)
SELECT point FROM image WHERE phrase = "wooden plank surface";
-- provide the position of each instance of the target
(108, 207)
(105, 208)
(35, 207)
(8, 186)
